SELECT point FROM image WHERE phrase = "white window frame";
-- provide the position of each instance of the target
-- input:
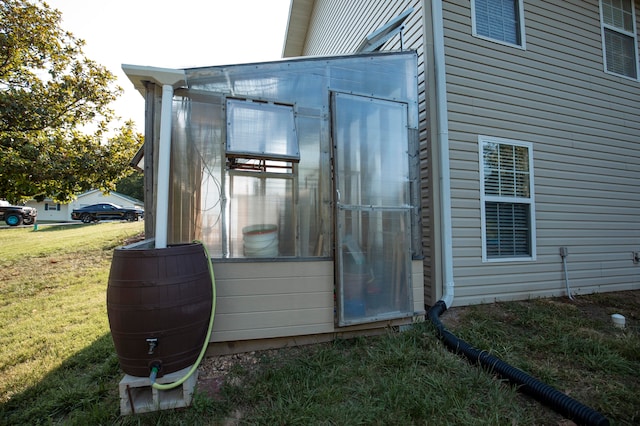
(482, 140)
(634, 35)
(475, 33)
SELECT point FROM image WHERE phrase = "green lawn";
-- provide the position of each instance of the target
(57, 357)
(58, 365)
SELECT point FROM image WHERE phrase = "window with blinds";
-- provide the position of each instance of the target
(506, 171)
(499, 20)
(619, 37)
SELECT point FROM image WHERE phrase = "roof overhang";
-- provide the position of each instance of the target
(140, 75)
(297, 26)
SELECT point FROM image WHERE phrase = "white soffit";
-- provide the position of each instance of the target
(299, 19)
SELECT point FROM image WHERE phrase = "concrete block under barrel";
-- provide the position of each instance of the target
(138, 396)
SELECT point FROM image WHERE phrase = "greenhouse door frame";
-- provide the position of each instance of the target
(372, 199)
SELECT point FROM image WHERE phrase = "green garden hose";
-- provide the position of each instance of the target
(206, 340)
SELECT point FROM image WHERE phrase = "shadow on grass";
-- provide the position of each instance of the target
(83, 390)
(48, 227)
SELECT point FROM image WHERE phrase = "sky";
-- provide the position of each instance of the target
(173, 34)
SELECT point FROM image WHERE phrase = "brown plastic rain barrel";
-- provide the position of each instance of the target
(159, 303)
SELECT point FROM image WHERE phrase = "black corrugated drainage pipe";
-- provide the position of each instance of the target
(558, 401)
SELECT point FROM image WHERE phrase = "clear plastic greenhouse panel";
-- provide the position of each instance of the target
(252, 146)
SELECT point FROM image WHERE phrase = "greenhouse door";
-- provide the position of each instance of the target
(372, 199)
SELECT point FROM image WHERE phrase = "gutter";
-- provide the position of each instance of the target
(164, 165)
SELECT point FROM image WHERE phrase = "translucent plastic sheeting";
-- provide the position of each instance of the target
(375, 280)
(261, 129)
(218, 189)
(374, 212)
(372, 151)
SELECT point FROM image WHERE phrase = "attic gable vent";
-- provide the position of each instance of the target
(374, 41)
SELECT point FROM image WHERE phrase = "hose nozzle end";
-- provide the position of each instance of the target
(155, 368)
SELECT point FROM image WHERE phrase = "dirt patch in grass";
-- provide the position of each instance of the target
(214, 371)
(134, 239)
(594, 306)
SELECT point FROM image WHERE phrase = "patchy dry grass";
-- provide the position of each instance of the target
(410, 378)
(571, 345)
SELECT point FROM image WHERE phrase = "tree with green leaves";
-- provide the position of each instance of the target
(132, 185)
(50, 93)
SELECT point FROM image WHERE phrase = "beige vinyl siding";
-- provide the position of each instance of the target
(272, 300)
(584, 125)
(339, 27)
(263, 300)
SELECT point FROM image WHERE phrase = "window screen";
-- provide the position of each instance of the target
(619, 37)
(498, 20)
(507, 193)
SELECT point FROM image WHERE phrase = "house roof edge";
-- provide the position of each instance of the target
(297, 26)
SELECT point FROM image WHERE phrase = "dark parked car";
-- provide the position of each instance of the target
(105, 211)
(17, 215)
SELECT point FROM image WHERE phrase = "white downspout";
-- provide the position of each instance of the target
(164, 164)
(444, 182)
(168, 78)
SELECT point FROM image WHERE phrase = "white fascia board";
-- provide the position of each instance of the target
(139, 74)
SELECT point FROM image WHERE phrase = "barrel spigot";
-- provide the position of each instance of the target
(153, 344)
